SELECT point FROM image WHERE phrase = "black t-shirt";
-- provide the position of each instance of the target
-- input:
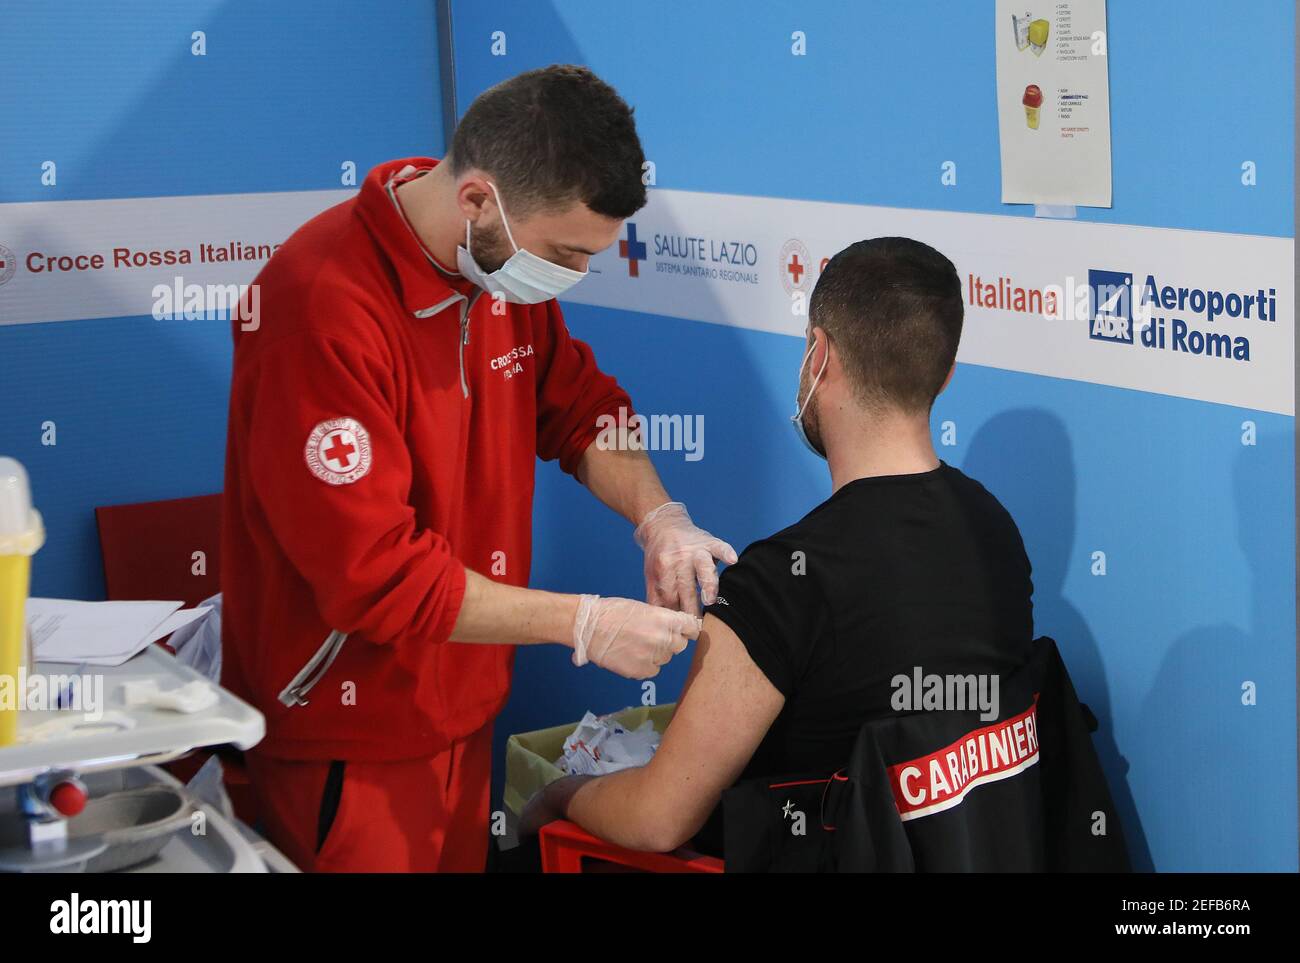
(889, 574)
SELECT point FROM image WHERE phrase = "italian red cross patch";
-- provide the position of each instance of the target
(338, 451)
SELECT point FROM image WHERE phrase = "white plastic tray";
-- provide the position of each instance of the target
(158, 735)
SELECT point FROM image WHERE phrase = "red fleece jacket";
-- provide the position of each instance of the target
(383, 434)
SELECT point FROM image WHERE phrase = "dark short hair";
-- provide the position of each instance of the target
(553, 136)
(893, 308)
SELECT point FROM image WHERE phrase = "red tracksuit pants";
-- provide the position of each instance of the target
(412, 816)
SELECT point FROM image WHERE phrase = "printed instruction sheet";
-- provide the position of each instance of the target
(1054, 102)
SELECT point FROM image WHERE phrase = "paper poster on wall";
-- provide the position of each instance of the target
(1053, 102)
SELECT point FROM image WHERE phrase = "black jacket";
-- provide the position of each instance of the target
(944, 791)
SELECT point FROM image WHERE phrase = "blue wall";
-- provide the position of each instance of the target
(287, 92)
(1197, 528)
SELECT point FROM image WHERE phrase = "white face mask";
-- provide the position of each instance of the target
(797, 417)
(525, 278)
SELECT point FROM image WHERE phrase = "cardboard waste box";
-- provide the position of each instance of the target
(531, 757)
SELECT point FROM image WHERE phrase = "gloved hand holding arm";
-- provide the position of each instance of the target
(625, 636)
(677, 553)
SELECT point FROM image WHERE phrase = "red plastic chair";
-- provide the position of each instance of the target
(148, 550)
(566, 845)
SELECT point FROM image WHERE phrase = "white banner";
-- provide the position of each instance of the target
(1184, 313)
(69, 260)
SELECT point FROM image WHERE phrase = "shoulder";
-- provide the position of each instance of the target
(985, 513)
(777, 546)
(778, 563)
(320, 286)
(973, 493)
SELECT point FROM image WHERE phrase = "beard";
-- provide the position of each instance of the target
(489, 247)
(812, 425)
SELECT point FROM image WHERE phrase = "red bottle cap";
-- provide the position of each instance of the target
(68, 798)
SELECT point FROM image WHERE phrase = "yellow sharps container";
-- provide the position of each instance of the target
(21, 534)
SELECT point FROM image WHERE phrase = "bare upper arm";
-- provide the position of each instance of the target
(725, 710)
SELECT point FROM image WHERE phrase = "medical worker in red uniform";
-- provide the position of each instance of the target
(405, 366)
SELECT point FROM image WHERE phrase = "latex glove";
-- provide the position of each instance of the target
(677, 555)
(629, 637)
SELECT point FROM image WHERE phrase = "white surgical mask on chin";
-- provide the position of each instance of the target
(525, 278)
(797, 417)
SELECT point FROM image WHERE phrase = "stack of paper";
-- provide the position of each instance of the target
(101, 633)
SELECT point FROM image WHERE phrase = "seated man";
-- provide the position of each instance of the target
(908, 564)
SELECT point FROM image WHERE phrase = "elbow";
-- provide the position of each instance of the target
(667, 813)
(665, 832)
(367, 614)
(665, 840)
(384, 616)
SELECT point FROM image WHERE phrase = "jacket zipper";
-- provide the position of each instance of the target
(465, 308)
(464, 340)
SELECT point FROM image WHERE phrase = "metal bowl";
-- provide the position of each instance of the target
(134, 823)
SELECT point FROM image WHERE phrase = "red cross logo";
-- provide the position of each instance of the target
(338, 451)
(795, 265)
